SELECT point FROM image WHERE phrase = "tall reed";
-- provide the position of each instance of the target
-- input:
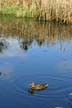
(56, 10)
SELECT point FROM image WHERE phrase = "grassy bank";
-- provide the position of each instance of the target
(17, 11)
(52, 10)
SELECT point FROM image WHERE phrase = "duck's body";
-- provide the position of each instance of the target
(38, 86)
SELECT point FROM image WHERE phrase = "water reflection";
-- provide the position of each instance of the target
(31, 91)
(27, 31)
(3, 45)
(34, 51)
(0, 73)
(25, 44)
(5, 70)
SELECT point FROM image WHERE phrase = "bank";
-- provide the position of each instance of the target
(55, 10)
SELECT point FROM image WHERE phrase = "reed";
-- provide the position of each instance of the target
(52, 10)
(56, 10)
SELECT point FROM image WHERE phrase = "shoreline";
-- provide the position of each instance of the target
(59, 11)
(34, 19)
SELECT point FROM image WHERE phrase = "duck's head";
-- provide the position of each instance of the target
(32, 84)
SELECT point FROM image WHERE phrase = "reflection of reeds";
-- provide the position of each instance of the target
(3, 45)
(30, 30)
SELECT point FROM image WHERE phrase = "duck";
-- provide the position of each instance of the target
(38, 86)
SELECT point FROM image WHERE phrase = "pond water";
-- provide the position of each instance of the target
(39, 52)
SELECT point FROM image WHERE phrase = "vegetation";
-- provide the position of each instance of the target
(56, 10)
(17, 11)
(28, 30)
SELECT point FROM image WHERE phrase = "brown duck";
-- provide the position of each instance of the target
(38, 86)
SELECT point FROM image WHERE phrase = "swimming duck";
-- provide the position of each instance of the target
(38, 86)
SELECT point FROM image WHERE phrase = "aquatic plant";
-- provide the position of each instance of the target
(56, 10)
(52, 10)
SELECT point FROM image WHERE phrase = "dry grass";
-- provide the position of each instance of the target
(56, 10)
(59, 10)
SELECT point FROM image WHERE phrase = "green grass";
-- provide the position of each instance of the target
(18, 11)
(9, 10)
(27, 12)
